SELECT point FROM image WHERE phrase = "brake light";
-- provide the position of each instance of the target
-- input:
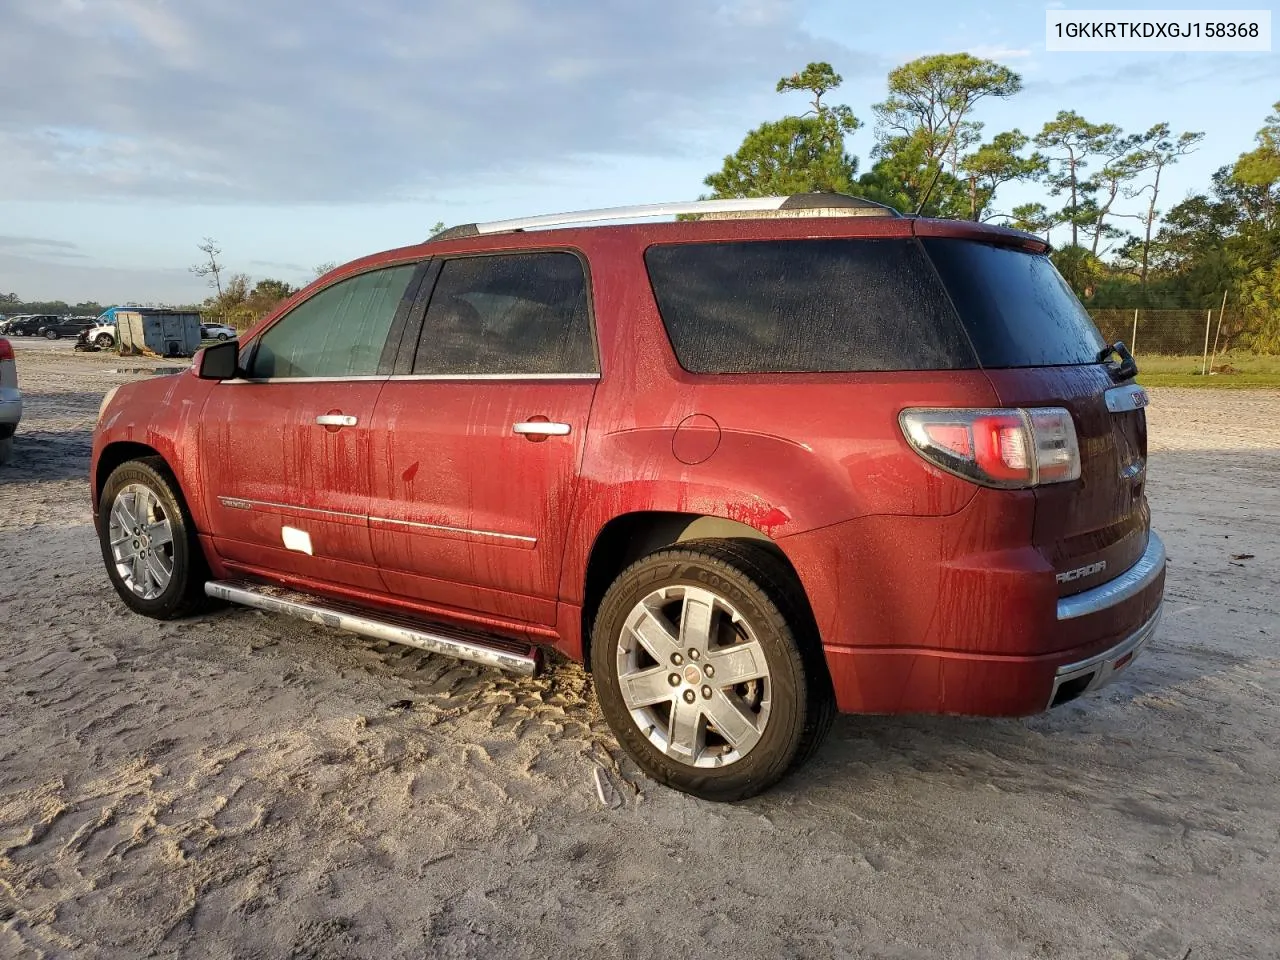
(6, 349)
(997, 448)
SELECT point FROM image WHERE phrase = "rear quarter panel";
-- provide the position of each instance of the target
(783, 454)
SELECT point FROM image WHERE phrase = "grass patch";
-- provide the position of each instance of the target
(1238, 371)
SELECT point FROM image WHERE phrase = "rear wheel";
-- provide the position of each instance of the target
(104, 340)
(148, 541)
(223, 336)
(708, 669)
(51, 334)
(6, 448)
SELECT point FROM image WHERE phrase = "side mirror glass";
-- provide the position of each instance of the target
(218, 362)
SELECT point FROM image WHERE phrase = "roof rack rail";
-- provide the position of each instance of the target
(800, 202)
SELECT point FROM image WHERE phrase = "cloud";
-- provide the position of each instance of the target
(227, 100)
(75, 282)
(999, 53)
(41, 247)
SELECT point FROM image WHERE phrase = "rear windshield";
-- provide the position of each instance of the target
(1018, 310)
(820, 306)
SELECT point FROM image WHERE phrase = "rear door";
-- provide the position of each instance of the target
(475, 450)
(1039, 348)
(285, 449)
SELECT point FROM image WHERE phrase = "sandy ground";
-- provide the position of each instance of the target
(247, 786)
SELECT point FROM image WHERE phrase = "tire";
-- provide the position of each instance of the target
(51, 334)
(223, 337)
(787, 711)
(6, 449)
(104, 341)
(182, 593)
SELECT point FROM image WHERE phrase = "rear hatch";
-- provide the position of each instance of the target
(1040, 348)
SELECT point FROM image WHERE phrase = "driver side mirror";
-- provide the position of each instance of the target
(218, 362)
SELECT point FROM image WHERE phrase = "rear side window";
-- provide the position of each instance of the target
(789, 306)
(339, 332)
(508, 314)
(1018, 310)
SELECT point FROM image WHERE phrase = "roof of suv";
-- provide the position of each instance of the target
(800, 216)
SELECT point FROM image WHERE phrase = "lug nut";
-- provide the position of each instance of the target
(690, 696)
(673, 679)
(677, 659)
(706, 691)
(693, 653)
(709, 670)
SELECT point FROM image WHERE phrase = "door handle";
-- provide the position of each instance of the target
(336, 420)
(540, 428)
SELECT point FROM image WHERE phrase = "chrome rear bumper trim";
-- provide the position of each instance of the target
(1104, 665)
(1129, 584)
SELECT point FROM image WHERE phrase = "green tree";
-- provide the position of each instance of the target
(1033, 218)
(1072, 140)
(1080, 268)
(924, 126)
(995, 164)
(1160, 149)
(801, 154)
(1123, 159)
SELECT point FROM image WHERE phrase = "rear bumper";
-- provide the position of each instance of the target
(1072, 680)
(1130, 584)
(10, 410)
(919, 615)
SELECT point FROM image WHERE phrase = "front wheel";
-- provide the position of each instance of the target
(708, 668)
(149, 543)
(51, 334)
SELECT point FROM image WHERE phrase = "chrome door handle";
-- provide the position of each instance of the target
(540, 428)
(336, 420)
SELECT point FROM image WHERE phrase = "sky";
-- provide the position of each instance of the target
(298, 132)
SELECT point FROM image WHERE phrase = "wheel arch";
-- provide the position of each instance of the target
(630, 536)
(117, 453)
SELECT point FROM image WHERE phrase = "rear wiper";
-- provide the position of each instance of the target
(1127, 369)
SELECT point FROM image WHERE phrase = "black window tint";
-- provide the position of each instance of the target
(338, 332)
(1018, 310)
(790, 306)
(508, 314)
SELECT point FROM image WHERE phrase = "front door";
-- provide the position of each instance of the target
(286, 447)
(476, 453)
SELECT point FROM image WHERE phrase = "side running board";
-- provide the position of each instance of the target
(492, 651)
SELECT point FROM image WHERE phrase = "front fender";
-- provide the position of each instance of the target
(163, 414)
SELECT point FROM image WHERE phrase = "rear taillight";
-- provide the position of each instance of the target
(997, 448)
(6, 349)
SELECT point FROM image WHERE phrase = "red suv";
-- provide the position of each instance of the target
(753, 469)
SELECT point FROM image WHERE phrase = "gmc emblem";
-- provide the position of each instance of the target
(1079, 572)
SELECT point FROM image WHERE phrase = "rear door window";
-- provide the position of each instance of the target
(339, 332)
(1016, 307)
(516, 314)
(813, 306)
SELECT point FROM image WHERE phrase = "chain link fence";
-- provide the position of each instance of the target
(1170, 332)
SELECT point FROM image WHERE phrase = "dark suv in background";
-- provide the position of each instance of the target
(752, 469)
(29, 326)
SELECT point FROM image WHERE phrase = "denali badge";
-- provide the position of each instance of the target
(1079, 572)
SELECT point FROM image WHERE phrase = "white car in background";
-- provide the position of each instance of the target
(10, 399)
(103, 335)
(217, 331)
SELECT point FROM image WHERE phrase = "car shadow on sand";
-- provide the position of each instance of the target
(48, 455)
